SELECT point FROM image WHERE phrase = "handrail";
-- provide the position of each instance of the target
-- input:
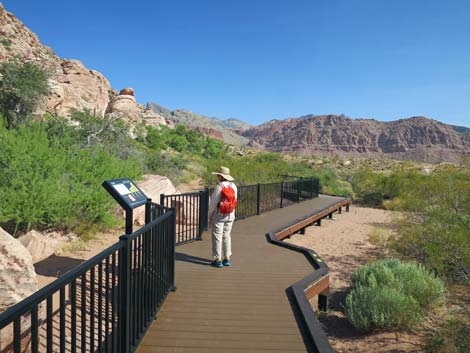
(25, 305)
(107, 301)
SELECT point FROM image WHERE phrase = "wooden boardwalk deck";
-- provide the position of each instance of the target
(243, 308)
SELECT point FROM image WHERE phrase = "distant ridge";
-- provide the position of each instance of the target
(415, 138)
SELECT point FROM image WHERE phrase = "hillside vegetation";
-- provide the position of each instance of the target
(52, 168)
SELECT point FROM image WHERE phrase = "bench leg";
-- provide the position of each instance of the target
(319, 222)
(302, 231)
(347, 208)
(323, 302)
(339, 210)
(330, 216)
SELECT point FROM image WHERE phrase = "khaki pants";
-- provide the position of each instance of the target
(221, 239)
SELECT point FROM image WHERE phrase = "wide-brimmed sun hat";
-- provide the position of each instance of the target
(224, 172)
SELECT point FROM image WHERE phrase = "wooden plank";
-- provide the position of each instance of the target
(319, 287)
(173, 349)
(242, 343)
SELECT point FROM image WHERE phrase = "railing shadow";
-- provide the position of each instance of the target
(192, 259)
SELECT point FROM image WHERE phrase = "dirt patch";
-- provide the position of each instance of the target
(345, 244)
(73, 255)
(192, 186)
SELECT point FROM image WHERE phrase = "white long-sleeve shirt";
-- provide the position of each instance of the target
(215, 199)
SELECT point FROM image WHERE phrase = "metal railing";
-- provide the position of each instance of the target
(260, 198)
(191, 212)
(103, 305)
(191, 209)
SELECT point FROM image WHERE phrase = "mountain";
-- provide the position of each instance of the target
(416, 138)
(213, 127)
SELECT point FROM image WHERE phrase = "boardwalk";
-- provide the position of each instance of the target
(243, 308)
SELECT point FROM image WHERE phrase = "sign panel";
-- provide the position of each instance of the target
(125, 192)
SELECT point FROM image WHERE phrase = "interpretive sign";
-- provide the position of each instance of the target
(125, 192)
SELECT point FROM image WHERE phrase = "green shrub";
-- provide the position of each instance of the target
(435, 232)
(397, 292)
(452, 337)
(370, 308)
(410, 279)
(22, 88)
(45, 183)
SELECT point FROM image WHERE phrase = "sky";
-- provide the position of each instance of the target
(258, 60)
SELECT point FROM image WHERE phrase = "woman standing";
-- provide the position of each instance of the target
(221, 216)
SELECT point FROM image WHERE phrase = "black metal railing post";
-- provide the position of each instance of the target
(205, 209)
(201, 217)
(298, 189)
(258, 193)
(125, 293)
(162, 199)
(129, 221)
(282, 192)
(173, 252)
(148, 211)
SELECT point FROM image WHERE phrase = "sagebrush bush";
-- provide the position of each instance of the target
(390, 293)
(370, 308)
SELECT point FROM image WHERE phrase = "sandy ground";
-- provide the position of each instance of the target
(344, 244)
(73, 254)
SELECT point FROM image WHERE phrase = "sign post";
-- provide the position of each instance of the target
(127, 195)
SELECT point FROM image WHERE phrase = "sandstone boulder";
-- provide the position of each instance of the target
(40, 246)
(18, 280)
(127, 91)
(17, 276)
(152, 186)
(125, 106)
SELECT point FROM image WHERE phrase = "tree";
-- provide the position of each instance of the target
(22, 88)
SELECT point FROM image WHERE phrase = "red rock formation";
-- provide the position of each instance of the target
(417, 138)
(215, 134)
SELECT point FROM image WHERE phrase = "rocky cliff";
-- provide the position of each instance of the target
(416, 138)
(73, 86)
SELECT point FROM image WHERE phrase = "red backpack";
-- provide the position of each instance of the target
(228, 200)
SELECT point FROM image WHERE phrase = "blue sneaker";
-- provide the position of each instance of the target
(227, 263)
(217, 263)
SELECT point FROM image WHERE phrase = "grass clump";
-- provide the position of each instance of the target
(389, 294)
(452, 337)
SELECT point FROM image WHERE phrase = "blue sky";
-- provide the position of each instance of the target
(257, 60)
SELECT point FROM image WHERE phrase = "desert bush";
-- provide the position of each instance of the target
(183, 140)
(46, 183)
(389, 294)
(372, 188)
(452, 337)
(370, 308)
(435, 230)
(22, 88)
